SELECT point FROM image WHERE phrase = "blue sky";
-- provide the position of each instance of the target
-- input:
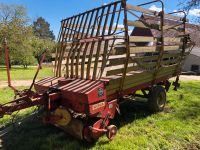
(56, 10)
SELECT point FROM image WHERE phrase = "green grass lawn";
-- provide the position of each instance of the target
(178, 127)
(6, 95)
(19, 73)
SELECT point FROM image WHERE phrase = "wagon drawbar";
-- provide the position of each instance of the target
(98, 62)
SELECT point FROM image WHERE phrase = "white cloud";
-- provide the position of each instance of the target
(104, 3)
(155, 8)
(130, 31)
(119, 25)
(194, 12)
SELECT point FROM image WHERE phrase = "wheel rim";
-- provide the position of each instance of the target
(111, 133)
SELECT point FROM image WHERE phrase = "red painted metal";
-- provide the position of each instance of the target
(38, 69)
(7, 65)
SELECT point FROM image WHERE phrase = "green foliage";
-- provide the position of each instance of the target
(25, 45)
(14, 26)
(40, 45)
(42, 30)
(178, 127)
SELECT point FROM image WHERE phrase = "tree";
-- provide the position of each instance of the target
(24, 45)
(189, 4)
(42, 30)
(191, 7)
(14, 25)
(40, 45)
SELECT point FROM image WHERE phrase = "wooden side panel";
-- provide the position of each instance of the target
(136, 78)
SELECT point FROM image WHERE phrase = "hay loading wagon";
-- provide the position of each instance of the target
(99, 62)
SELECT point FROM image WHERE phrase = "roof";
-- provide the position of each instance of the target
(192, 29)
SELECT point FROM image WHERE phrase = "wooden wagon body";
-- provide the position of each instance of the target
(97, 45)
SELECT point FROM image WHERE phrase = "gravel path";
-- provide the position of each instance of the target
(28, 82)
(188, 77)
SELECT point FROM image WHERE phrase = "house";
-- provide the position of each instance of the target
(192, 62)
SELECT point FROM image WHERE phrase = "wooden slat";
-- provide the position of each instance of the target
(172, 40)
(140, 9)
(142, 63)
(120, 70)
(175, 27)
(152, 49)
(140, 24)
(138, 76)
(89, 61)
(152, 39)
(143, 49)
(78, 60)
(155, 57)
(96, 61)
(142, 39)
(166, 17)
(173, 17)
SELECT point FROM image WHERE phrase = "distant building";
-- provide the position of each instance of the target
(192, 62)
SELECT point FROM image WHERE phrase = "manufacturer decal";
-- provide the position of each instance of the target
(100, 92)
(98, 105)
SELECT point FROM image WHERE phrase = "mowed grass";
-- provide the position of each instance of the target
(19, 73)
(178, 127)
(6, 95)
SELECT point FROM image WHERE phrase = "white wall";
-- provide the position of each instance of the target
(191, 60)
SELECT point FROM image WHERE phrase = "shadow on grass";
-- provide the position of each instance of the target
(34, 135)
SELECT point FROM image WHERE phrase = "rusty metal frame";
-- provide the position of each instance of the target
(7, 66)
(185, 41)
(127, 36)
(85, 33)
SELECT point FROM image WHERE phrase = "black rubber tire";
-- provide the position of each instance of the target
(157, 99)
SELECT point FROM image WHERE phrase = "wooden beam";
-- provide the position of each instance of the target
(140, 9)
(140, 24)
(144, 49)
(142, 39)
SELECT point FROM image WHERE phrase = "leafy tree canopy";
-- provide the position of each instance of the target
(24, 44)
(42, 30)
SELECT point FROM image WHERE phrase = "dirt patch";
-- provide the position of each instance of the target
(16, 83)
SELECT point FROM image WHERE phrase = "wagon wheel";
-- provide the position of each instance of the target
(157, 99)
(111, 132)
